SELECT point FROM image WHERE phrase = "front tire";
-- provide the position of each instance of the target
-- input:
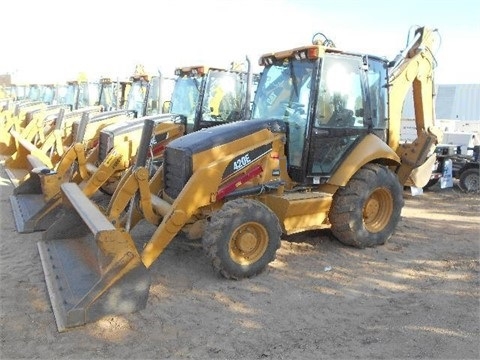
(469, 180)
(366, 211)
(242, 238)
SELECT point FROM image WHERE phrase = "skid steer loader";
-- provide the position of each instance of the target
(195, 96)
(321, 150)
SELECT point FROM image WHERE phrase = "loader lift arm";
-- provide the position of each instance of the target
(75, 303)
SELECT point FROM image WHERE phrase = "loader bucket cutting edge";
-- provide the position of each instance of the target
(80, 293)
(91, 274)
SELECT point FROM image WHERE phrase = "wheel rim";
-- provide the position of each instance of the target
(378, 210)
(248, 243)
(471, 182)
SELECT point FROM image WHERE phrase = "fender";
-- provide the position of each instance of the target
(370, 149)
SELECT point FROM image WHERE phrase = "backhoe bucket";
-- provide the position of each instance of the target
(91, 271)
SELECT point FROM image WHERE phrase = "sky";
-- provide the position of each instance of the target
(48, 41)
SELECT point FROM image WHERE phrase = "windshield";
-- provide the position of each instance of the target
(108, 100)
(21, 91)
(185, 96)
(136, 97)
(61, 95)
(154, 96)
(225, 96)
(48, 95)
(283, 90)
(284, 93)
(34, 93)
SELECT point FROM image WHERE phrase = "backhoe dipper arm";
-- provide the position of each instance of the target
(414, 68)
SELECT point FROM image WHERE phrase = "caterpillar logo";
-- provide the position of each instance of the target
(245, 159)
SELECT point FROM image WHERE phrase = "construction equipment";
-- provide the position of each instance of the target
(37, 202)
(77, 94)
(13, 115)
(22, 138)
(57, 138)
(223, 95)
(26, 118)
(81, 93)
(42, 182)
(320, 151)
(40, 122)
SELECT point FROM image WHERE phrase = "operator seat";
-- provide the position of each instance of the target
(342, 118)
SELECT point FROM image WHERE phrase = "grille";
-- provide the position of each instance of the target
(177, 167)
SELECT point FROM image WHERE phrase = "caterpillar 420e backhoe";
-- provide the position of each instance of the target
(321, 150)
(197, 93)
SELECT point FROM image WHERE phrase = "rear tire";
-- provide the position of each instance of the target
(469, 180)
(366, 211)
(242, 238)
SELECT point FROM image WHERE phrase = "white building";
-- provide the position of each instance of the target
(457, 112)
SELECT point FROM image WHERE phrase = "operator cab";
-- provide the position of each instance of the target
(329, 100)
(209, 96)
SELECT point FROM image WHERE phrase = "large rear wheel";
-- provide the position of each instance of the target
(469, 180)
(366, 211)
(242, 238)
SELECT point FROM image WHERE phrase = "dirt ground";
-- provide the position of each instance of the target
(417, 296)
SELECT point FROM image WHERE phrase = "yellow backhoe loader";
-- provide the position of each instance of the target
(25, 137)
(14, 117)
(321, 150)
(38, 185)
(56, 142)
(39, 123)
(54, 137)
(198, 91)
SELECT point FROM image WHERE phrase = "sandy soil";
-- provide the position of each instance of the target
(415, 297)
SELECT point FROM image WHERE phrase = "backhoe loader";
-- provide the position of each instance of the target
(321, 150)
(197, 93)
(21, 146)
(78, 95)
(19, 114)
(14, 117)
(56, 142)
(39, 123)
(40, 183)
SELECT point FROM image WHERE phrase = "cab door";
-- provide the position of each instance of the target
(343, 114)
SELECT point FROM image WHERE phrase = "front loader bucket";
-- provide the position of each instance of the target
(91, 271)
(32, 213)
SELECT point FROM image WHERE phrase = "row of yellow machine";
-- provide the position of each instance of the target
(235, 159)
